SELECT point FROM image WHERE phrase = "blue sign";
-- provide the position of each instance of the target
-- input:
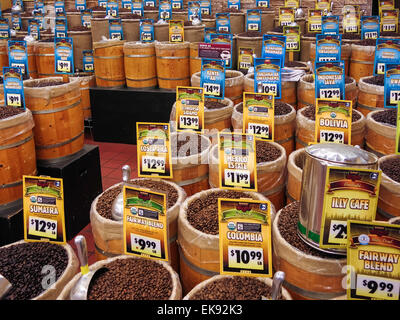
(213, 78)
(329, 80)
(88, 61)
(370, 27)
(115, 29)
(64, 55)
(146, 30)
(18, 56)
(274, 47)
(387, 51)
(13, 88)
(330, 24)
(392, 85)
(223, 22)
(328, 47)
(267, 76)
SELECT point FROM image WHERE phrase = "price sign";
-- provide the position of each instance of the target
(212, 78)
(18, 55)
(14, 100)
(292, 34)
(371, 35)
(223, 22)
(13, 87)
(43, 203)
(245, 59)
(259, 129)
(398, 130)
(370, 27)
(274, 47)
(63, 66)
(88, 61)
(146, 30)
(389, 20)
(64, 55)
(387, 52)
(350, 193)
(245, 237)
(286, 16)
(253, 20)
(267, 78)
(176, 31)
(237, 162)
(373, 254)
(314, 20)
(331, 136)
(333, 93)
(392, 85)
(212, 89)
(329, 80)
(153, 150)
(145, 223)
(190, 109)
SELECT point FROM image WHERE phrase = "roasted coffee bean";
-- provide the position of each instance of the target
(287, 226)
(391, 167)
(310, 35)
(233, 10)
(388, 116)
(294, 64)
(182, 10)
(193, 145)
(105, 201)
(79, 28)
(391, 34)
(309, 113)
(207, 16)
(22, 265)
(211, 105)
(132, 279)
(46, 83)
(131, 16)
(150, 8)
(188, 23)
(351, 36)
(396, 222)
(6, 112)
(278, 29)
(266, 152)
(281, 108)
(234, 288)
(299, 160)
(251, 34)
(367, 42)
(378, 80)
(202, 213)
(98, 8)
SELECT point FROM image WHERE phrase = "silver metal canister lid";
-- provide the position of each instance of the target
(341, 154)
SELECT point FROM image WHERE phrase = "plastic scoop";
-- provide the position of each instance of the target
(5, 286)
(81, 288)
(117, 209)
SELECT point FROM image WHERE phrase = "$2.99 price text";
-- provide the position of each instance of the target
(42, 227)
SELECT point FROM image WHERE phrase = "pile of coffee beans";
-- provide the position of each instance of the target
(132, 279)
(46, 83)
(266, 152)
(105, 201)
(234, 288)
(367, 43)
(150, 8)
(6, 112)
(281, 108)
(391, 167)
(207, 16)
(278, 29)
(351, 36)
(388, 116)
(309, 112)
(294, 64)
(193, 145)
(287, 226)
(212, 105)
(378, 80)
(299, 160)
(396, 221)
(79, 28)
(22, 265)
(132, 16)
(202, 213)
(250, 34)
(233, 10)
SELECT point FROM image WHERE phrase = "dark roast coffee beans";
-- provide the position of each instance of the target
(309, 113)
(299, 160)
(23, 264)
(396, 222)
(213, 105)
(281, 108)
(391, 167)
(46, 83)
(378, 80)
(388, 116)
(266, 152)
(132, 279)
(367, 42)
(6, 112)
(192, 143)
(294, 64)
(251, 34)
(234, 288)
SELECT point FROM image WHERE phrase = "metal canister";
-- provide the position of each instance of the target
(318, 158)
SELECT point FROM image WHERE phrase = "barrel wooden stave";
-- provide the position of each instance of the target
(109, 65)
(45, 60)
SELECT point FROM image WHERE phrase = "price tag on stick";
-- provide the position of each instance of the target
(373, 257)
(64, 55)
(13, 87)
(245, 237)
(176, 31)
(189, 109)
(387, 51)
(43, 201)
(212, 78)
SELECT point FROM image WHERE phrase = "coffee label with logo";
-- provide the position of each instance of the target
(189, 109)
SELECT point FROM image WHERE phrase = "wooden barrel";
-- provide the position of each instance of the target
(3, 55)
(199, 251)
(82, 40)
(161, 32)
(381, 137)
(306, 91)
(345, 55)
(109, 64)
(44, 58)
(86, 82)
(194, 33)
(284, 126)
(295, 173)
(108, 234)
(190, 172)
(176, 289)
(17, 158)
(305, 44)
(307, 276)
(361, 61)
(389, 193)
(271, 176)
(58, 117)
(140, 65)
(71, 269)
(234, 81)
(30, 47)
(288, 93)
(370, 97)
(130, 29)
(202, 286)
(214, 119)
(305, 130)
(195, 61)
(172, 64)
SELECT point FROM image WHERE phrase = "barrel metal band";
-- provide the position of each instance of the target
(205, 272)
(385, 214)
(362, 62)
(284, 140)
(11, 184)
(172, 58)
(45, 54)
(51, 146)
(301, 142)
(140, 55)
(195, 58)
(16, 144)
(114, 80)
(290, 197)
(111, 57)
(311, 294)
(368, 107)
(235, 98)
(57, 109)
(191, 181)
(168, 79)
(141, 79)
(374, 151)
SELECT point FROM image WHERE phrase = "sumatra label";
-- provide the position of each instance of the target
(43, 209)
(258, 115)
(333, 121)
(153, 150)
(373, 253)
(145, 223)
(350, 193)
(189, 109)
(245, 237)
(237, 161)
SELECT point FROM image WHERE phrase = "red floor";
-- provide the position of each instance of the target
(112, 157)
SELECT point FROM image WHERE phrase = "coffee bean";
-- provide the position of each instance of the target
(378, 80)
(391, 167)
(250, 34)
(132, 279)
(396, 222)
(299, 160)
(212, 105)
(309, 112)
(234, 288)
(367, 42)
(45, 83)
(202, 213)
(281, 108)
(193, 145)
(105, 201)
(287, 226)
(266, 152)
(6, 112)
(22, 265)
(351, 36)
(387, 116)
(294, 64)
